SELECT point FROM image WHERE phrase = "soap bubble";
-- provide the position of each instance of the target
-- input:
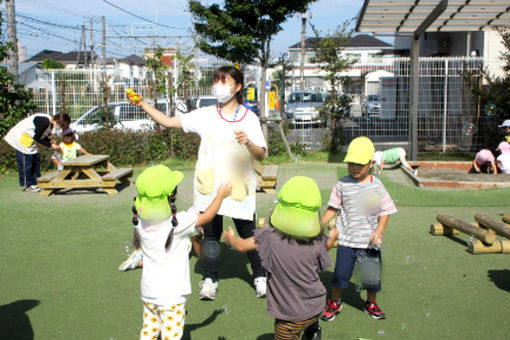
(381, 332)
(225, 309)
(403, 326)
(490, 109)
(427, 315)
(127, 248)
(407, 259)
(468, 129)
(357, 288)
(395, 201)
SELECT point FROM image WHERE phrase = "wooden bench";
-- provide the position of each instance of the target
(121, 174)
(48, 177)
(267, 177)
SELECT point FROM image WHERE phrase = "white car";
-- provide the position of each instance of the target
(127, 117)
(302, 106)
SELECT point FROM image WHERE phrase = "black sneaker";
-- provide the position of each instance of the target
(372, 309)
(332, 309)
(313, 332)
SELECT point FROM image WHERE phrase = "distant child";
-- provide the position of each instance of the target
(68, 149)
(293, 250)
(392, 156)
(503, 160)
(363, 206)
(485, 162)
(165, 239)
(506, 127)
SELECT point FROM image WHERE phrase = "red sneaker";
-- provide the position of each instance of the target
(332, 309)
(372, 309)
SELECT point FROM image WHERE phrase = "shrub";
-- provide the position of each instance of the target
(124, 148)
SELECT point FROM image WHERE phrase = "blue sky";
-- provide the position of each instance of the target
(36, 35)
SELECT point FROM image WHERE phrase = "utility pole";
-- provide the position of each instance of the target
(83, 40)
(12, 38)
(92, 59)
(103, 28)
(304, 16)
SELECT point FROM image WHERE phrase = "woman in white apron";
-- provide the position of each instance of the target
(230, 138)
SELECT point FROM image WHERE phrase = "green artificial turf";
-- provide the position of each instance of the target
(60, 256)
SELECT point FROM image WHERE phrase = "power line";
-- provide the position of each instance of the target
(51, 23)
(141, 18)
(46, 32)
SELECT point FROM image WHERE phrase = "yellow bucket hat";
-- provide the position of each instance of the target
(360, 151)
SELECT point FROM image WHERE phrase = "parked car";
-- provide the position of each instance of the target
(126, 116)
(302, 106)
(202, 101)
(371, 106)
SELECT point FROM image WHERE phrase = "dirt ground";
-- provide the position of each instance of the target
(460, 176)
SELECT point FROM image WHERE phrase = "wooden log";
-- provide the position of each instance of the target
(437, 229)
(500, 228)
(479, 233)
(506, 219)
(498, 247)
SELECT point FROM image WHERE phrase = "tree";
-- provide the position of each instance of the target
(241, 30)
(329, 59)
(280, 77)
(159, 69)
(50, 64)
(15, 101)
(495, 91)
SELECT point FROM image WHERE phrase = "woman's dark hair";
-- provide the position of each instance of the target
(171, 200)
(63, 120)
(220, 74)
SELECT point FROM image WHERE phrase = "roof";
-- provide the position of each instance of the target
(133, 59)
(69, 57)
(406, 16)
(360, 40)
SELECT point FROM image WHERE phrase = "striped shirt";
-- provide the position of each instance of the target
(359, 209)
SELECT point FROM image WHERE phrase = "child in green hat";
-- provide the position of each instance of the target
(363, 206)
(293, 250)
(165, 234)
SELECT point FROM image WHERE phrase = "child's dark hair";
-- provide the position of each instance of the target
(137, 243)
(70, 134)
(236, 74)
(171, 200)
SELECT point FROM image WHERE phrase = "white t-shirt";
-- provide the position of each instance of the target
(221, 159)
(165, 276)
(504, 162)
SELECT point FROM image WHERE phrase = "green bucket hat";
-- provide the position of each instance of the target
(297, 211)
(154, 185)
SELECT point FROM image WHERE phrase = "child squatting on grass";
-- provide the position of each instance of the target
(165, 240)
(363, 206)
(293, 250)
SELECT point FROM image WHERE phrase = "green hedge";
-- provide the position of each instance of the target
(124, 148)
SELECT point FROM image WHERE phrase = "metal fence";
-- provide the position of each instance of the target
(449, 116)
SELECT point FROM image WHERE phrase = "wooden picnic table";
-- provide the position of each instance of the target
(84, 173)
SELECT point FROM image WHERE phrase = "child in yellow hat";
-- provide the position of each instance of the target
(363, 206)
(293, 250)
(165, 239)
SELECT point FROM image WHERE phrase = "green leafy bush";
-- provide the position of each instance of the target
(124, 148)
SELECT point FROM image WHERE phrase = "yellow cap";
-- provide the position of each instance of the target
(360, 151)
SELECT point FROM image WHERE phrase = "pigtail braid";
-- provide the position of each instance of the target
(137, 243)
(171, 200)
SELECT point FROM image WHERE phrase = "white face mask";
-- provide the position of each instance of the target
(222, 93)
